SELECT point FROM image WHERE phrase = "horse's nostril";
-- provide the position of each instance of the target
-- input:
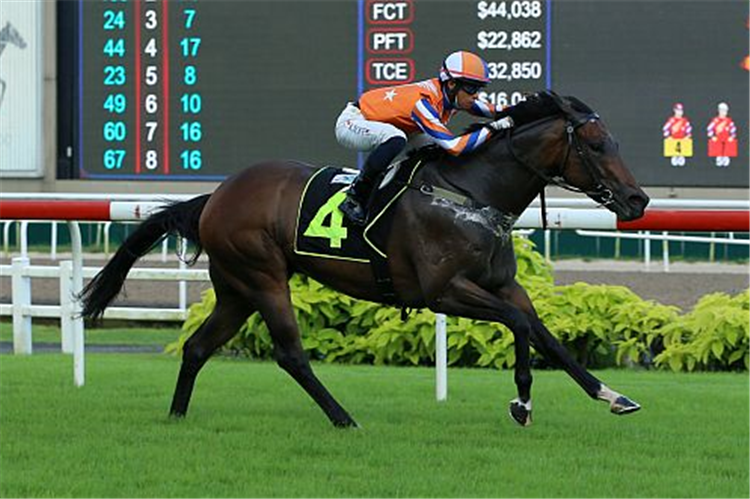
(638, 200)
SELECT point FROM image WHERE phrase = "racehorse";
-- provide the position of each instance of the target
(451, 253)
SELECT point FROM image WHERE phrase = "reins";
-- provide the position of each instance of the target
(600, 192)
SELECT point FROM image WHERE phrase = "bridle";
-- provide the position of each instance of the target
(600, 193)
(574, 120)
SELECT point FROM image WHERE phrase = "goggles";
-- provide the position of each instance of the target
(471, 88)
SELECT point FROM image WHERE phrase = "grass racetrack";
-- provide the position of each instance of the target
(252, 432)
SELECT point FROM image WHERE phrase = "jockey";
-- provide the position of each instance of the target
(382, 120)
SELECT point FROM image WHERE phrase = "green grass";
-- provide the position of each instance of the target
(104, 336)
(252, 432)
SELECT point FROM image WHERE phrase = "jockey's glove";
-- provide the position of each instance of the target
(501, 124)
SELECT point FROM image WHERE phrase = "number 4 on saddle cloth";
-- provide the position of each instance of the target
(323, 231)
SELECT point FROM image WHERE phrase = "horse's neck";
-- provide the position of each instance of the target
(493, 177)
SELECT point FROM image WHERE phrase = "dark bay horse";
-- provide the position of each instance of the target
(453, 257)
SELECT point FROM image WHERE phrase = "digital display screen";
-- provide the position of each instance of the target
(201, 89)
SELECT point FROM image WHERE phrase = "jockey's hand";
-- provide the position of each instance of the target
(501, 124)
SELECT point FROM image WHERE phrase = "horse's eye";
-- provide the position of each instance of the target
(597, 147)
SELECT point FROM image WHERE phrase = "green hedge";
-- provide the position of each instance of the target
(714, 335)
(602, 326)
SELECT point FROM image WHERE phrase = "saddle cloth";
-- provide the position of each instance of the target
(323, 230)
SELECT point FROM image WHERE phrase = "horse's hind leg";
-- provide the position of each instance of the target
(221, 325)
(276, 308)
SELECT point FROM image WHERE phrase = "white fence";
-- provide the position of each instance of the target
(22, 308)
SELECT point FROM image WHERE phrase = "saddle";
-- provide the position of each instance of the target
(322, 231)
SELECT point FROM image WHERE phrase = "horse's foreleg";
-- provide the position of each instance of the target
(276, 309)
(544, 342)
(466, 299)
(548, 346)
(219, 328)
(520, 408)
(555, 352)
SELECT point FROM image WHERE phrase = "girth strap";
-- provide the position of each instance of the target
(379, 266)
(454, 197)
(383, 281)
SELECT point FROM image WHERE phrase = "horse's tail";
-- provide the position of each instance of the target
(179, 218)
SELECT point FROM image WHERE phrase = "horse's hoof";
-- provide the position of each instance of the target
(623, 405)
(520, 412)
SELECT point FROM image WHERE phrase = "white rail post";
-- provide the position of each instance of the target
(548, 245)
(67, 307)
(646, 250)
(53, 241)
(617, 247)
(21, 290)
(107, 226)
(665, 251)
(98, 235)
(441, 358)
(78, 346)
(24, 237)
(6, 237)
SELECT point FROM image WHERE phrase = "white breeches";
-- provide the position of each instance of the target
(353, 131)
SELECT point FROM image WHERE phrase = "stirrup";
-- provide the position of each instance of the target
(353, 210)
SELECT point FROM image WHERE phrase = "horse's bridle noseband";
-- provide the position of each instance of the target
(600, 193)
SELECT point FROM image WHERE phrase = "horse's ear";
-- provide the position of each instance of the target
(556, 98)
(563, 104)
(579, 105)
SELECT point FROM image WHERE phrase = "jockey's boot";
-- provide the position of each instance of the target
(355, 205)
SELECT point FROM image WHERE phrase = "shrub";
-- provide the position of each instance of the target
(534, 273)
(602, 325)
(714, 335)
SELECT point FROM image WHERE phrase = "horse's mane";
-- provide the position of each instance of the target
(537, 106)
